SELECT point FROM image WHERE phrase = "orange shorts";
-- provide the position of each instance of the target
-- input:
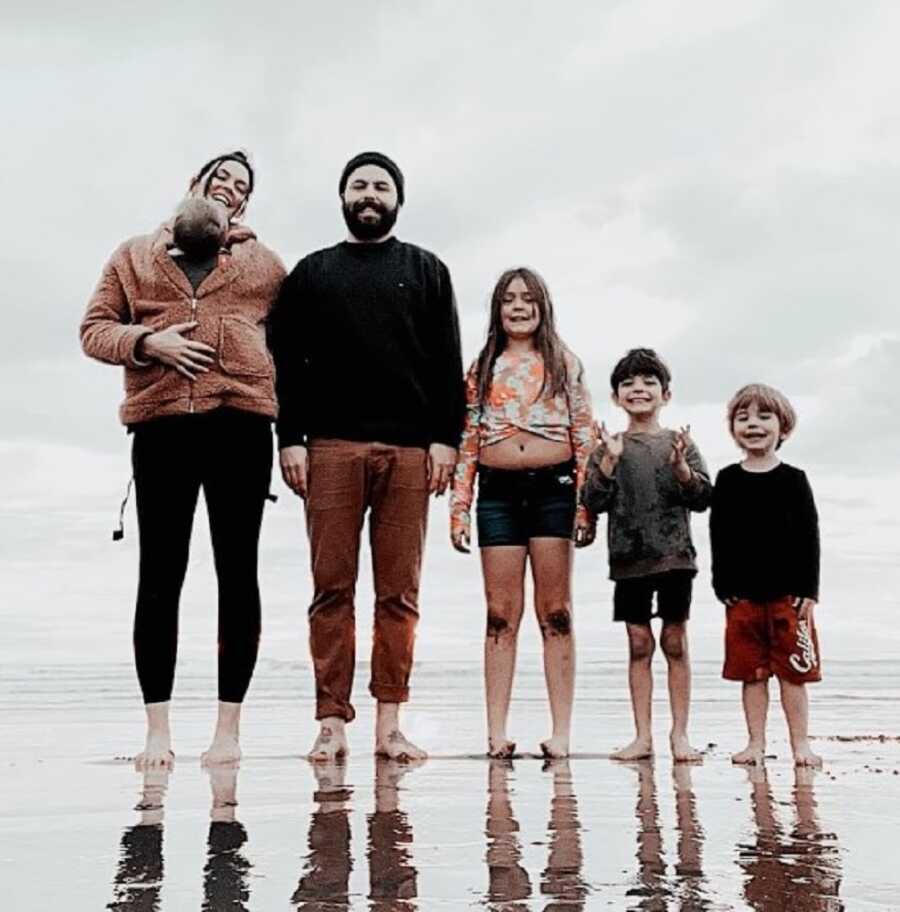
(767, 638)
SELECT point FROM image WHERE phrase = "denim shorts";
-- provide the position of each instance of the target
(516, 505)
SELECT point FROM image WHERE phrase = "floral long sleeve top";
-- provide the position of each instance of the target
(516, 403)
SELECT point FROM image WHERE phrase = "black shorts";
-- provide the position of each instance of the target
(633, 598)
(516, 505)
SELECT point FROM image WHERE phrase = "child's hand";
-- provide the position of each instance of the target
(460, 540)
(612, 444)
(585, 533)
(804, 608)
(677, 457)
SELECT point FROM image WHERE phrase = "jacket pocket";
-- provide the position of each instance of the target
(242, 348)
(138, 378)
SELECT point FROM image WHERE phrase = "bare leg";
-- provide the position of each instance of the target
(795, 703)
(225, 747)
(158, 746)
(756, 709)
(390, 742)
(503, 568)
(331, 742)
(674, 642)
(551, 568)
(640, 683)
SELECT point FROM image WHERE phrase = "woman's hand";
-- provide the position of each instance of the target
(169, 347)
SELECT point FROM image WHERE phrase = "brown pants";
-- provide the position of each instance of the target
(346, 479)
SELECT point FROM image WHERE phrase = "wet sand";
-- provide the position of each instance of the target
(81, 829)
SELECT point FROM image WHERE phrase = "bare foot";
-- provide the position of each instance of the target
(224, 749)
(804, 756)
(682, 752)
(330, 743)
(639, 749)
(501, 749)
(157, 752)
(751, 755)
(394, 746)
(555, 748)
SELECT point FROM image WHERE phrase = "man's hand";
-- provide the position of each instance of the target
(169, 347)
(677, 457)
(613, 445)
(804, 608)
(585, 532)
(440, 466)
(293, 461)
(460, 540)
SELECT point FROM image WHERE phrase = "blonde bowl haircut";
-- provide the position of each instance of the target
(766, 398)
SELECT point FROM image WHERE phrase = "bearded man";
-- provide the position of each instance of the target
(366, 343)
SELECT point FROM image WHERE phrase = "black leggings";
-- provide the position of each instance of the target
(229, 454)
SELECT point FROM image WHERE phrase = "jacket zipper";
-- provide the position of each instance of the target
(193, 319)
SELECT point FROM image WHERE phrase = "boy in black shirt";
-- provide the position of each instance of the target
(765, 567)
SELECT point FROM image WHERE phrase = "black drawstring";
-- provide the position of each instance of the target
(119, 534)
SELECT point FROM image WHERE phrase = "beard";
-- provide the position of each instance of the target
(365, 230)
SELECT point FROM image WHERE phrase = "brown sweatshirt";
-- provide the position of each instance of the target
(142, 290)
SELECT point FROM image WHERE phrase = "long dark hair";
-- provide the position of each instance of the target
(546, 340)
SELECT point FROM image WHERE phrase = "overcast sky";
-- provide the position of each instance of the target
(717, 180)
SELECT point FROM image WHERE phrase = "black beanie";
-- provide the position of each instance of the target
(373, 158)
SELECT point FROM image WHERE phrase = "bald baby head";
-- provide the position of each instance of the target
(199, 229)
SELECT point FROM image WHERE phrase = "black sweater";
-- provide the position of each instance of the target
(366, 345)
(764, 532)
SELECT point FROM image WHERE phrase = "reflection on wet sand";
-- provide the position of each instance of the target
(324, 884)
(139, 874)
(508, 880)
(225, 885)
(393, 879)
(561, 880)
(799, 870)
(654, 891)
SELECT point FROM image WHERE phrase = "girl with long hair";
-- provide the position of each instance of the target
(529, 432)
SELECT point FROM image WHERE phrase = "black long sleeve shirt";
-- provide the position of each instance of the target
(764, 532)
(365, 339)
